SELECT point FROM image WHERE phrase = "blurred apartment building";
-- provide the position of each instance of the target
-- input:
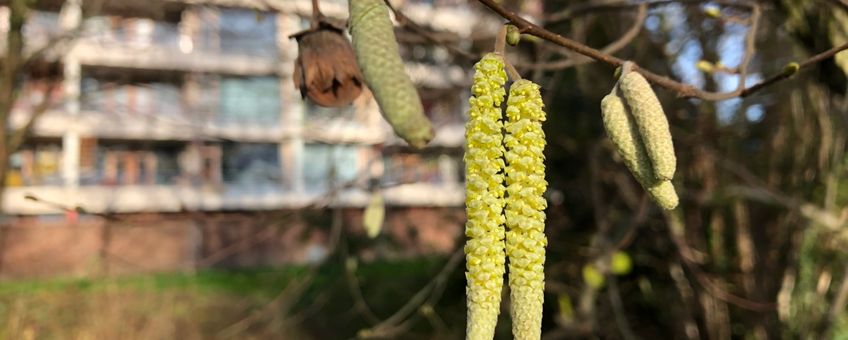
(188, 105)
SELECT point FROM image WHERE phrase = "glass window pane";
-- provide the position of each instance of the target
(323, 162)
(248, 32)
(441, 169)
(250, 100)
(251, 164)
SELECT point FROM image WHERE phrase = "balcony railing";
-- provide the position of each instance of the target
(160, 198)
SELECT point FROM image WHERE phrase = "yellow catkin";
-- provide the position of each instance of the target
(651, 121)
(624, 134)
(525, 207)
(383, 70)
(484, 198)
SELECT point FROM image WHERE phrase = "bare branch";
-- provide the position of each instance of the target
(19, 135)
(36, 55)
(592, 7)
(703, 279)
(784, 75)
(613, 47)
(428, 295)
(750, 46)
(682, 90)
(404, 21)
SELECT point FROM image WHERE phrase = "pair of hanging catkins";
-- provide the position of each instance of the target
(505, 180)
(638, 128)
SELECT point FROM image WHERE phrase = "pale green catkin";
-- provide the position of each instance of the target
(624, 134)
(377, 54)
(651, 121)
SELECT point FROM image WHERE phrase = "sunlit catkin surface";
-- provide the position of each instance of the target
(484, 198)
(525, 208)
(624, 134)
(652, 122)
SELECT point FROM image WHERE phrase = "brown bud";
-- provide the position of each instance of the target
(325, 69)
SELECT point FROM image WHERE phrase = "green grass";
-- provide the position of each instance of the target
(203, 305)
(235, 281)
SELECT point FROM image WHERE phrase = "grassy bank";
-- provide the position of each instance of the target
(243, 304)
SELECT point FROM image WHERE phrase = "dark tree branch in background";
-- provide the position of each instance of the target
(16, 63)
(594, 7)
(403, 20)
(750, 46)
(394, 325)
(17, 137)
(681, 89)
(613, 47)
(840, 3)
(11, 68)
(805, 64)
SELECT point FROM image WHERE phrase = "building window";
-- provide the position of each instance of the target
(122, 93)
(251, 100)
(408, 167)
(200, 164)
(135, 33)
(325, 163)
(36, 164)
(128, 163)
(247, 32)
(252, 164)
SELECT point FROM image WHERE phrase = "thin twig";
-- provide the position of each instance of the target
(428, 295)
(405, 21)
(711, 287)
(784, 75)
(837, 308)
(288, 296)
(681, 89)
(355, 289)
(593, 7)
(750, 46)
(618, 309)
(317, 16)
(611, 48)
(18, 136)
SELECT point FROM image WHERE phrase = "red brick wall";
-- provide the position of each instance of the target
(33, 247)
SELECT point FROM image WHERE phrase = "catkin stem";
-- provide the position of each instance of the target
(626, 67)
(500, 46)
(511, 71)
(500, 41)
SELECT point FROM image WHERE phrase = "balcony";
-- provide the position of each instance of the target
(169, 198)
(227, 41)
(162, 105)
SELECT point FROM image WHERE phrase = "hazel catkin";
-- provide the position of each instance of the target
(525, 207)
(484, 198)
(624, 134)
(653, 127)
(377, 54)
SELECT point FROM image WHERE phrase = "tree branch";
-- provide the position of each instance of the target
(750, 46)
(784, 75)
(613, 47)
(583, 8)
(681, 89)
(20, 134)
(41, 51)
(405, 21)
